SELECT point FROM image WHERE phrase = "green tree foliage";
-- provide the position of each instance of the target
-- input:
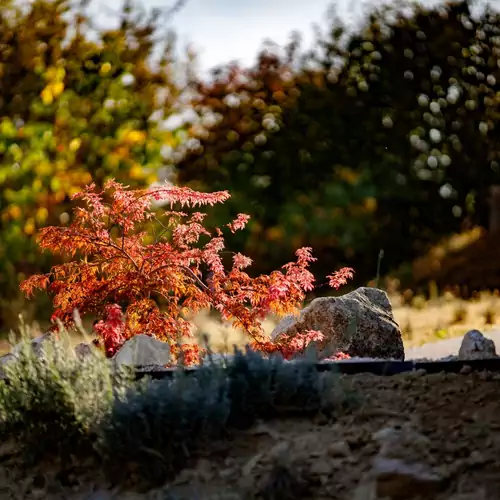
(77, 104)
(381, 138)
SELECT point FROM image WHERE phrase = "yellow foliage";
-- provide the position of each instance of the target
(86, 177)
(43, 169)
(370, 204)
(135, 137)
(59, 196)
(51, 73)
(15, 212)
(29, 227)
(105, 68)
(136, 172)
(151, 178)
(113, 160)
(57, 88)
(42, 215)
(54, 74)
(9, 194)
(46, 95)
(55, 184)
(275, 233)
(75, 144)
(37, 184)
(348, 175)
(73, 190)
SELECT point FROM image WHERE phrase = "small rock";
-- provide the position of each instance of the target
(321, 468)
(465, 370)
(476, 458)
(37, 344)
(142, 350)
(339, 449)
(476, 346)
(485, 375)
(403, 442)
(403, 467)
(397, 479)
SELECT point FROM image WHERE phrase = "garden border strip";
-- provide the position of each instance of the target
(382, 368)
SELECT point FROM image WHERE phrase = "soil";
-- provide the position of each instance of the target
(456, 435)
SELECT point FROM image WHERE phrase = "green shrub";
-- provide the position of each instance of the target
(54, 404)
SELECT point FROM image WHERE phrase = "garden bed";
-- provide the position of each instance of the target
(320, 457)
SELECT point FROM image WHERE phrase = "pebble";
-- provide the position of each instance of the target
(339, 449)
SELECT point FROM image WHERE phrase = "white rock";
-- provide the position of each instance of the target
(142, 350)
(476, 346)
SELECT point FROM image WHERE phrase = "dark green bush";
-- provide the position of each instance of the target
(264, 388)
(158, 426)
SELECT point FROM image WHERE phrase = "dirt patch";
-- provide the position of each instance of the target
(456, 416)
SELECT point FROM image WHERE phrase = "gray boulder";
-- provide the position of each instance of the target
(359, 323)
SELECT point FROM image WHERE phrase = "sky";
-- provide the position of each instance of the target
(235, 29)
(225, 30)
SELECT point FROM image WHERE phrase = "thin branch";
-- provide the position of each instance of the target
(165, 228)
(188, 271)
(116, 247)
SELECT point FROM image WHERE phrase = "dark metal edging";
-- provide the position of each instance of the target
(381, 368)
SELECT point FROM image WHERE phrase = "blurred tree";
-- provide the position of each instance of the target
(381, 138)
(77, 104)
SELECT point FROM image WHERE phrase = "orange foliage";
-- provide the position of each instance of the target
(111, 263)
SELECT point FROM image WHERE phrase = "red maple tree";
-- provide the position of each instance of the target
(122, 252)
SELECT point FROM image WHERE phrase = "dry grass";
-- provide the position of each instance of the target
(446, 317)
(425, 321)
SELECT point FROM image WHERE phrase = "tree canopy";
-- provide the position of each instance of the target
(381, 138)
(77, 104)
